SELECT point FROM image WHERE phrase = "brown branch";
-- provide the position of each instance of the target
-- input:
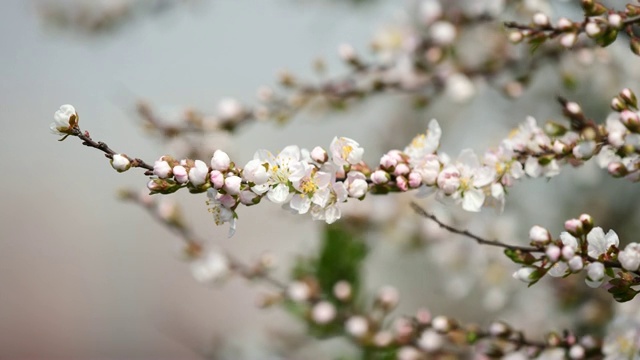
(88, 141)
(194, 242)
(422, 212)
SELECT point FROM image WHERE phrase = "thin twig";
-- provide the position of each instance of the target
(418, 209)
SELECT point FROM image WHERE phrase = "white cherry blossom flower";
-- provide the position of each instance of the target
(64, 120)
(630, 257)
(220, 207)
(345, 151)
(271, 173)
(312, 186)
(599, 243)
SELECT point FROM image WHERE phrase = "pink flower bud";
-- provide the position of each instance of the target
(248, 197)
(617, 169)
(387, 161)
(220, 161)
(323, 312)
(232, 185)
(180, 174)
(357, 326)
(319, 155)
(449, 180)
(539, 234)
(630, 119)
(227, 201)
(568, 252)
(342, 290)
(380, 177)
(575, 263)
(388, 297)
(198, 173)
(401, 169)
(574, 227)
(415, 180)
(553, 253)
(162, 169)
(564, 24)
(402, 183)
(617, 104)
(540, 19)
(358, 188)
(217, 179)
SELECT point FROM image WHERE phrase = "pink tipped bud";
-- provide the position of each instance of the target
(553, 253)
(342, 290)
(574, 227)
(323, 312)
(232, 185)
(380, 177)
(617, 169)
(319, 155)
(220, 161)
(180, 174)
(415, 180)
(401, 169)
(539, 234)
(162, 169)
(248, 198)
(217, 179)
(402, 183)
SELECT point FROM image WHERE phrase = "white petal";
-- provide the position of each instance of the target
(279, 194)
(473, 200)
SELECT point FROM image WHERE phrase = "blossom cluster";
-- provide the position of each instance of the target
(582, 247)
(600, 24)
(319, 180)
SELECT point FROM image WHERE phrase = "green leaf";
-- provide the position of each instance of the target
(341, 255)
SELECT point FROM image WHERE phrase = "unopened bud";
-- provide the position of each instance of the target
(617, 104)
(323, 312)
(388, 297)
(357, 326)
(617, 169)
(568, 40)
(499, 329)
(629, 97)
(587, 222)
(342, 291)
(564, 24)
(615, 20)
(553, 253)
(120, 162)
(319, 155)
(515, 37)
(631, 120)
(574, 227)
(539, 234)
(540, 19)
(592, 29)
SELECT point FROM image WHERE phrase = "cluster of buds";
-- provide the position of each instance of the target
(423, 335)
(582, 247)
(600, 23)
(318, 181)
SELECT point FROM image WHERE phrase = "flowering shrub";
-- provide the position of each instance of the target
(420, 61)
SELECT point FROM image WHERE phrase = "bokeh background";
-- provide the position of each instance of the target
(84, 276)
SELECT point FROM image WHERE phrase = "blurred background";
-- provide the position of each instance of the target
(85, 276)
